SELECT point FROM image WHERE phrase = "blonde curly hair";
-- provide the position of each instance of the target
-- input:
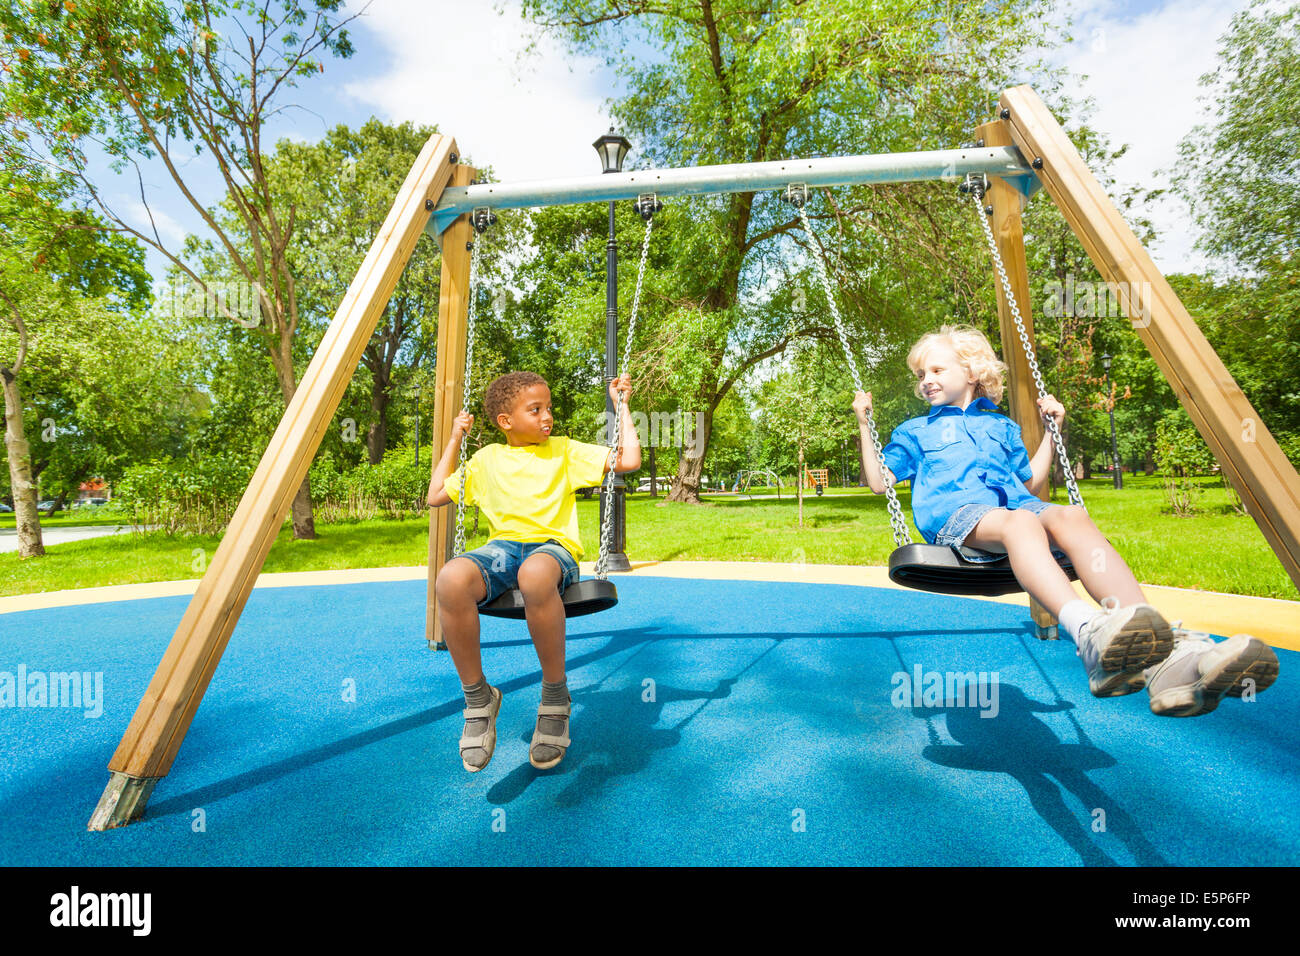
(974, 352)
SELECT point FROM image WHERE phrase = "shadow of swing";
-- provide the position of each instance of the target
(1019, 744)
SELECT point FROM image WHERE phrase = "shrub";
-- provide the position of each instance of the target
(1180, 456)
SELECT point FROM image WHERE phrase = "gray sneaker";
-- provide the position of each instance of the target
(1118, 644)
(1201, 671)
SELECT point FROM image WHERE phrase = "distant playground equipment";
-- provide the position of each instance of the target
(745, 477)
(817, 478)
(1022, 151)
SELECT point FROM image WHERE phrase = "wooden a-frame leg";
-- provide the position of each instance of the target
(163, 717)
(1246, 450)
(1009, 234)
(453, 314)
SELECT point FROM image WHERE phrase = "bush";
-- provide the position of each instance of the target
(186, 496)
(394, 488)
(1180, 455)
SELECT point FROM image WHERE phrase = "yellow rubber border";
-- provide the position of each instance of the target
(1270, 619)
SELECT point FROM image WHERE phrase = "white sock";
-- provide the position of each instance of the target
(1074, 615)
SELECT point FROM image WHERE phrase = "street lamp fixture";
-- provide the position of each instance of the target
(613, 149)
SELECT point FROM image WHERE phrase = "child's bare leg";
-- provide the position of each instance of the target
(539, 583)
(1024, 539)
(459, 589)
(1100, 568)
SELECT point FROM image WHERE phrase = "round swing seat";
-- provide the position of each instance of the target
(584, 597)
(941, 569)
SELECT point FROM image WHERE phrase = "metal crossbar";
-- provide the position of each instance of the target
(950, 165)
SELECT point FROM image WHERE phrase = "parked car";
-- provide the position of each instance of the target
(90, 503)
(47, 505)
(5, 509)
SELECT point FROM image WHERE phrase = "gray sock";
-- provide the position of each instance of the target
(476, 695)
(553, 695)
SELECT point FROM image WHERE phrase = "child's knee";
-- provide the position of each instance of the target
(538, 577)
(456, 582)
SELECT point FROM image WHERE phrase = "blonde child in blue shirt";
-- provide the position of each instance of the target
(525, 490)
(975, 489)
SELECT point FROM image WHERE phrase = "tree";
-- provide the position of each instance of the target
(1245, 191)
(156, 82)
(56, 267)
(739, 83)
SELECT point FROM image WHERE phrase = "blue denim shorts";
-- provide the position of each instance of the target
(499, 561)
(963, 521)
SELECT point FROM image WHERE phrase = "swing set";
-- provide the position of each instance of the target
(1018, 153)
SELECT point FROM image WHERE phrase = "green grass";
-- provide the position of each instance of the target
(1216, 550)
(79, 518)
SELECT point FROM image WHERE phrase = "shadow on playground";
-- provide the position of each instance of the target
(621, 737)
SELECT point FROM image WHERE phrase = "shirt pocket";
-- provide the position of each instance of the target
(939, 452)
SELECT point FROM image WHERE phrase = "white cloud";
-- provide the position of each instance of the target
(134, 213)
(457, 65)
(1142, 71)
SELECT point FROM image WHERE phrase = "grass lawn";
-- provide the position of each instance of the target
(1217, 550)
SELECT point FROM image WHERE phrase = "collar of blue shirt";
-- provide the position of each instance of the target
(980, 404)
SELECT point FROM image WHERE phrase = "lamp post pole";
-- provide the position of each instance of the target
(612, 149)
(1116, 468)
(416, 393)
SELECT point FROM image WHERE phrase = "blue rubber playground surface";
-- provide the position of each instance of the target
(715, 722)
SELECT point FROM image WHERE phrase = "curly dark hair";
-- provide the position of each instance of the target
(500, 396)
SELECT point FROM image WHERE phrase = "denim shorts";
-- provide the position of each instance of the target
(963, 522)
(499, 561)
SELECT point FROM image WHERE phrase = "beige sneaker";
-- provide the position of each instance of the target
(1201, 671)
(1119, 643)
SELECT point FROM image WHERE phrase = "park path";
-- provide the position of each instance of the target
(59, 535)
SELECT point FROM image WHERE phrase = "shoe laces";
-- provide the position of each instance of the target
(1181, 634)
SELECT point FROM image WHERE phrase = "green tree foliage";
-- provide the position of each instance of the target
(1245, 191)
(727, 82)
(1243, 185)
(155, 84)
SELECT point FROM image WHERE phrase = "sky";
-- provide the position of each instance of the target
(467, 68)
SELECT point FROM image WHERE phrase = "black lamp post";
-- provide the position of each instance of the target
(1117, 469)
(612, 149)
(416, 393)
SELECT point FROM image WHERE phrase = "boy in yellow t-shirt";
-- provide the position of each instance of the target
(525, 489)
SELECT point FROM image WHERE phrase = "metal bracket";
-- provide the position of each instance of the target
(796, 194)
(481, 218)
(647, 204)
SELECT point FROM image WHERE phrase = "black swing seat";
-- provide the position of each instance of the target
(939, 568)
(584, 597)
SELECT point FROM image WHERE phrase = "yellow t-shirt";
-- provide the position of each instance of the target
(526, 491)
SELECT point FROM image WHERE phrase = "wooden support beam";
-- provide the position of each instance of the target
(1246, 450)
(453, 313)
(163, 717)
(1022, 397)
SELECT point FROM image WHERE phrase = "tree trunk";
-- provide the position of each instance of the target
(654, 474)
(304, 525)
(27, 518)
(377, 435)
(799, 482)
(686, 484)
(1086, 462)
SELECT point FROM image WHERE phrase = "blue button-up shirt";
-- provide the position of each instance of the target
(955, 457)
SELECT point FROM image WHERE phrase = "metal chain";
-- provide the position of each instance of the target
(464, 399)
(1075, 497)
(607, 489)
(897, 520)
